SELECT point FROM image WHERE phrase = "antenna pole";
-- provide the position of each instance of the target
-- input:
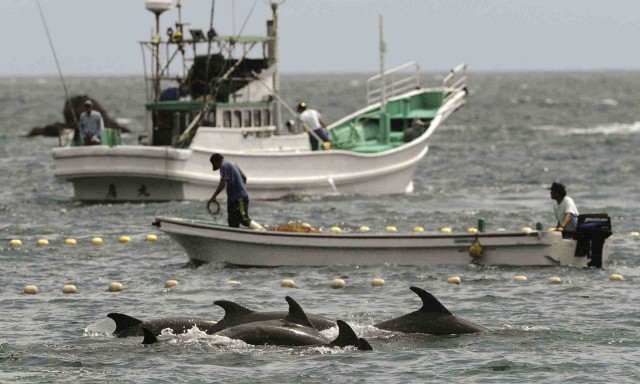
(383, 124)
(383, 48)
(156, 84)
(276, 73)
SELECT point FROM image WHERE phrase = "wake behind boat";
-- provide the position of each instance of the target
(202, 99)
(206, 242)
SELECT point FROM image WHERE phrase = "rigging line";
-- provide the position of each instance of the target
(55, 57)
(210, 38)
(278, 2)
(247, 19)
(280, 99)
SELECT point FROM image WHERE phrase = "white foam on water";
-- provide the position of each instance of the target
(100, 328)
(525, 328)
(323, 350)
(196, 336)
(365, 331)
(604, 129)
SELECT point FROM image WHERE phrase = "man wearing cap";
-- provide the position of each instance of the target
(315, 125)
(566, 212)
(91, 125)
(232, 178)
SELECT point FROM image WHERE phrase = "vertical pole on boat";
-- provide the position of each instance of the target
(157, 7)
(383, 136)
(276, 74)
(156, 39)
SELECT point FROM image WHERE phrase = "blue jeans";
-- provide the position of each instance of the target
(321, 134)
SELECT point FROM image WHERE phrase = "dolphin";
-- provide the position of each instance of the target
(130, 326)
(236, 314)
(294, 330)
(433, 319)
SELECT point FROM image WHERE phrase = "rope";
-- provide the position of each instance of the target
(55, 57)
(268, 88)
(247, 19)
(206, 71)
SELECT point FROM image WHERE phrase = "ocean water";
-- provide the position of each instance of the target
(492, 159)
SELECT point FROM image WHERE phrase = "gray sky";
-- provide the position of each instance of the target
(94, 37)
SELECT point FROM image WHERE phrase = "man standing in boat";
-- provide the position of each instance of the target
(315, 125)
(91, 125)
(232, 178)
(566, 212)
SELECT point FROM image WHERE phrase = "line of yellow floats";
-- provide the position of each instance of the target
(151, 237)
(290, 283)
(71, 241)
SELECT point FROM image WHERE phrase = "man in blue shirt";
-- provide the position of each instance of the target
(232, 178)
(91, 125)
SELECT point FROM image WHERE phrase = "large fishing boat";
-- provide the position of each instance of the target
(206, 242)
(232, 105)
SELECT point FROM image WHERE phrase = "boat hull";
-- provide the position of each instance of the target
(276, 165)
(133, 174)
(209, 243)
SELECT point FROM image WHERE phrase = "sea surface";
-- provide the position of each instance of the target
(493, 159)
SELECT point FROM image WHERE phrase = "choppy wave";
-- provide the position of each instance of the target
(604, 129)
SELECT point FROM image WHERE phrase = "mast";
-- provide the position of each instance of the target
(157, 7)
(383, 124)
(383, 48)
(276, 57)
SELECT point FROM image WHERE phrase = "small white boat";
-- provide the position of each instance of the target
(206, 242)
(375, 150)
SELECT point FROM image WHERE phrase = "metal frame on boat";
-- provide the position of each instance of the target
(206, 242)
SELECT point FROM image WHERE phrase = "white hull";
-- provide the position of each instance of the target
(210, 243)
(276, 166)
(132, 173)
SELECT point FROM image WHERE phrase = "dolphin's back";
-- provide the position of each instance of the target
(433, 319)
(236, 314)
(294, 330)
(273, 332)
(130, 326)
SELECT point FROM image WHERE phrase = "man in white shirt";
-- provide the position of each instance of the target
(91, 125)
(566, 212)
(315, 125)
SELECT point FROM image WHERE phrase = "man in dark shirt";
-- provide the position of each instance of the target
(232, 178)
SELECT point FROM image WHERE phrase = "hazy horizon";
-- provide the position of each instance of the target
(333, 36)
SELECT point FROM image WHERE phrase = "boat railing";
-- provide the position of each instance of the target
(454, 82)
(397, 81)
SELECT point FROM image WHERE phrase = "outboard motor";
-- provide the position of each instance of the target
(593, 229)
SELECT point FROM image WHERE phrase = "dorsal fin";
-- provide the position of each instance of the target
(296, 314)
(429, 303)
(363, 345)
(123, 322)
(346, 335)
(232, 309)
(149, 337)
